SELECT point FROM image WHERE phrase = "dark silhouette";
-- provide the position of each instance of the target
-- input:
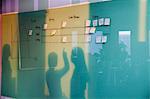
(80, 75)
(53, 76)
(6, 72)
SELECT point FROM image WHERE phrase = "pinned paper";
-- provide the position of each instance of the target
(107, 21)
(87, 30)
(104, 39)
(30, 32)
(88, 38)
(53, 32)
(88, 23)
(95, 22)
(93, 30)
(45, 26)
(98, 39)
(64, 39)
(101, 21)
(64, 23)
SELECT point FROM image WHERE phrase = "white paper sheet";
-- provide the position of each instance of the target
(98, 39)
(30, 32)
(101, 21)
(104, 39)
(107, 21)
(45, 26)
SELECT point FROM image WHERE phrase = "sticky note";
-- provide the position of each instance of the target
(92, 29)
(64, 23)
(53, 32)
(107, 21)
(88, 38)
(30, 33)
(104, 39)
(45, 26)
(98, 39)
(64, 39)
(95, 22)
(88, 23)
(87, 30)
(101, 21)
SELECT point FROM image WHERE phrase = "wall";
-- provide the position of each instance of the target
(117, 69)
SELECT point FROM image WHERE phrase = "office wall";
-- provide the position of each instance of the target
(117, 69)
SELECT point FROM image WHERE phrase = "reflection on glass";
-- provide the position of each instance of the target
(53, 76)
(124, 38)
(8, 88)
(80, 74)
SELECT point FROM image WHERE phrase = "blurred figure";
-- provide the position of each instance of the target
(53, 76)
(80, 75)
(6, 72)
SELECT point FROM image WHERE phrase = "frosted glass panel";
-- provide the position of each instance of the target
(57, 3)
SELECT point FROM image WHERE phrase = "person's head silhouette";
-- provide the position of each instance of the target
(52, 60)
(6, 51)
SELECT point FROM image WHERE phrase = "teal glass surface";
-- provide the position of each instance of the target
(119, 70)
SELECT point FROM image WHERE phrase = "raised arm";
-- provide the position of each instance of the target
(65, 69)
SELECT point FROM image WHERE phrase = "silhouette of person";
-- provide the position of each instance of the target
(80, 75)
(6, 72)
(53, 76)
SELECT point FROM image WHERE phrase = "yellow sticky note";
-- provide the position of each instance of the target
(64, 24)
(53, 32)
(64, 39)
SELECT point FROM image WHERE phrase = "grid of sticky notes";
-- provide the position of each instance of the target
(91, 28)
(92, 24)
